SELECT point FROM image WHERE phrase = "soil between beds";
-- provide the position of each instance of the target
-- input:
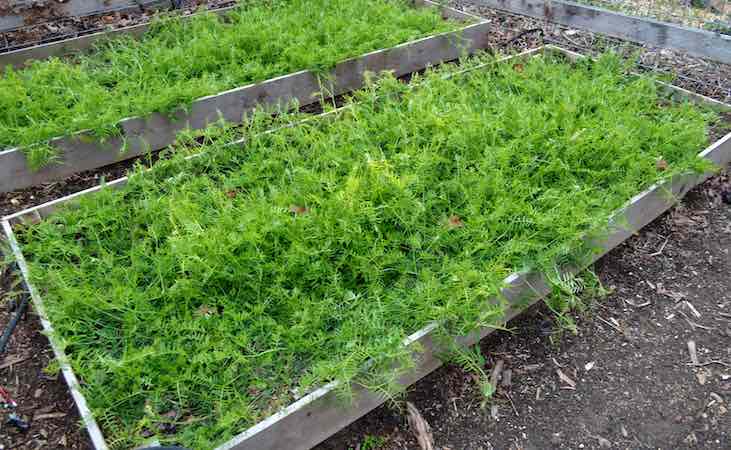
(24, 378)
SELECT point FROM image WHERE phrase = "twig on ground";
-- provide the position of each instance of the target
(420, 427)
(515, 410)
(12, 361)
(616, 328)
(565, 378)
(708, 363)
(638, 305)
(693, 353)
(695, 325)
(692, 309)
(662, 247)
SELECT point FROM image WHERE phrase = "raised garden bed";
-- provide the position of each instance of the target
(95, 107)
(22, 53)
(407, 208)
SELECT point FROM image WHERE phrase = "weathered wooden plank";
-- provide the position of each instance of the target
(139, 135)
(20, 13)
(72, 382)
(320, 414)
(705, 44)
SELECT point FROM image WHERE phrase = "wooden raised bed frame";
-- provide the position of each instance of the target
(140, 135)
(319, 414)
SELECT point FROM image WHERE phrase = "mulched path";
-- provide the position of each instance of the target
(45, 27)
(639, 392)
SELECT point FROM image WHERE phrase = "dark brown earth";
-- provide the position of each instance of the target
(639, 391)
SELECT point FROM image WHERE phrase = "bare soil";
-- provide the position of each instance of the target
(638, 390)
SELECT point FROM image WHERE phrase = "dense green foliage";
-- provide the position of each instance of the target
(217, 287)
(179, 61)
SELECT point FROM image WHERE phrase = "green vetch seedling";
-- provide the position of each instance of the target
(209, 293)
(179, 60)
(371, 442)
(570, 295)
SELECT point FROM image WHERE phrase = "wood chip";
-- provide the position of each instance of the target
(55, 415)
(637, 305)
(615, 327)
(589, 366)
(531, 367)
(507, 379)
(677, 296)
(420, 427)
(692, 309)
(496, 371)
(565, 378)
(603, 442)
(702, 377)
(12, 361)
(693, 353)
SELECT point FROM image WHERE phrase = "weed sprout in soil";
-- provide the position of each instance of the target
(180, 60)
(201, 297)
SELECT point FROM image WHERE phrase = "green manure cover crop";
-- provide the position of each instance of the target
(178, 61)
(208, 293)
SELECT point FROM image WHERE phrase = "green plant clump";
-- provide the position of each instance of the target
(178, 61)
(208, 293)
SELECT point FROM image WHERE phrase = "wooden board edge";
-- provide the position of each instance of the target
(697, 42)
(72, 382)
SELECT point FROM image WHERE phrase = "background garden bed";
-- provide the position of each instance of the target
(84, 151)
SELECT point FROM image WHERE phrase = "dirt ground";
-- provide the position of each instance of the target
(632, 385)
